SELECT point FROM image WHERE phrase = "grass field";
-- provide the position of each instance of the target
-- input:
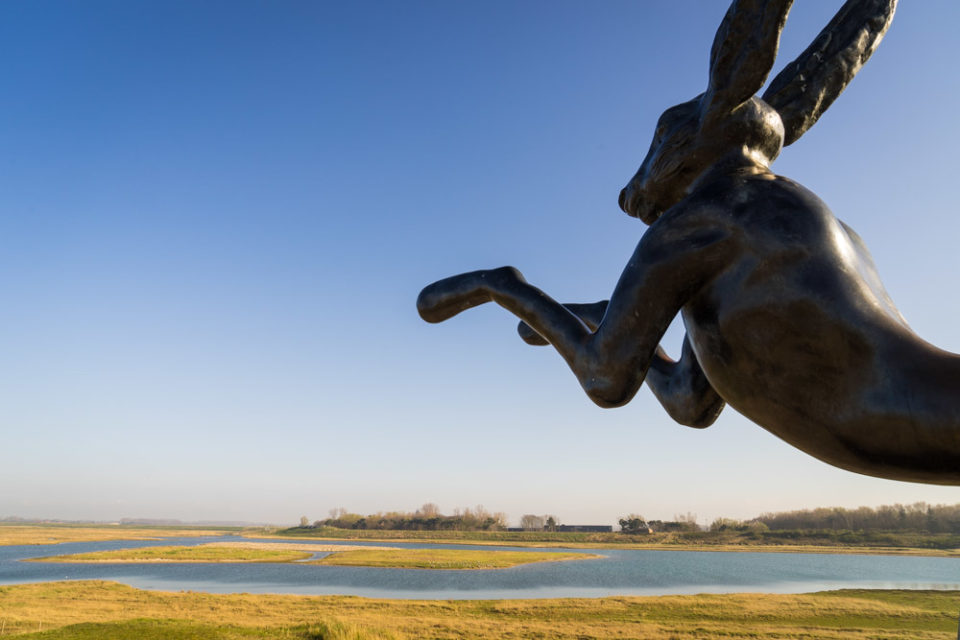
(446, 558)
(106, 610)
(343, 555)
(54, 534)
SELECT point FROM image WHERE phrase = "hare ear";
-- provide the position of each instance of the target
(810, 84)
(743, 53)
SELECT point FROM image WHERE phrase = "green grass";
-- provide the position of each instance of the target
(445, 558)
(202, 553)
(146, 629)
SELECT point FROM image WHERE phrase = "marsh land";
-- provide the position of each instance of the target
(800, 541)
(17, 534)
(106, 611)
(102, 609)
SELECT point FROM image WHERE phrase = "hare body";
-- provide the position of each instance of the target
(797, 333)
(786, 318)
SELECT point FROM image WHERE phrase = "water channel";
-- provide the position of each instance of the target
(621, 572)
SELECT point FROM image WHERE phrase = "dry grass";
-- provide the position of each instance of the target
(446, 558)
(211, 552)
(344, 555)
(40, 534)
(856, 615)
(317, 548)
(200, 553)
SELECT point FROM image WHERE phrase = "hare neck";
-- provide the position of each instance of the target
(744, 163)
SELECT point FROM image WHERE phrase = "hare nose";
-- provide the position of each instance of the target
(623, 200)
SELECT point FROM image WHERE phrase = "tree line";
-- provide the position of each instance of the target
(635, 523)
(429, 518)
(918, 517)
(426, 518)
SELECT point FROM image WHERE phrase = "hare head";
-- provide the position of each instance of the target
(727, 125)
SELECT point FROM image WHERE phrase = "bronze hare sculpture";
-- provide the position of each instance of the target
(786, 318)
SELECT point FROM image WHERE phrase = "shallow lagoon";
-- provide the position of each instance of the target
(621, 572)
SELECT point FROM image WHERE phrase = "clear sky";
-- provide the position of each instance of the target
(217, 217)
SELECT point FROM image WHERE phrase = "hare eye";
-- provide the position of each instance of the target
(660, 132)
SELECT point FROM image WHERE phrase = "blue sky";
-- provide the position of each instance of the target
(217, 217)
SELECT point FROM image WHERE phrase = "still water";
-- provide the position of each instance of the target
(621, 572)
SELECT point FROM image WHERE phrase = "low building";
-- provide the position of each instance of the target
(585, 528)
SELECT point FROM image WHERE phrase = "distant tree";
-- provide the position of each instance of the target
(755, 526)
(481, 517)
(551, 523)
(633, 524)
(530, 522)
(726, 524)
(343, 519)
(304, 521)
(672, 526)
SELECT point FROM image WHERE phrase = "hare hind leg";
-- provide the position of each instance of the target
(569, 335)
(675, 257)
(681, 387)
(591, 314)
(507, 287)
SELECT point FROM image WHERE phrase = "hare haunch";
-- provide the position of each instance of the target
(786, 318)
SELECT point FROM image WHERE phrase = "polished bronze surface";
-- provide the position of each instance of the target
(786, 318)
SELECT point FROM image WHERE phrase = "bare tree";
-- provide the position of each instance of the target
(687, 518)
(428, 510)
(530, 522)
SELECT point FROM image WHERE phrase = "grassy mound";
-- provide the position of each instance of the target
(445, 558)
